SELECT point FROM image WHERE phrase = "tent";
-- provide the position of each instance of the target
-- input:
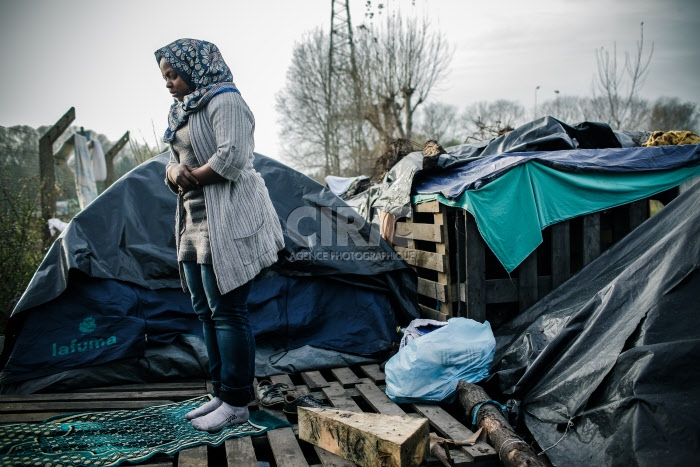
(606, 364)
(106, 304)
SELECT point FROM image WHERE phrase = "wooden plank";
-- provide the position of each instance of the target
(422, 259)
(443, 248)
(284, 379)
(91, 396)
(527, 282)
(561, 253)
(475, 251)
(345, 376)
(197, 385)
(285, 448)
(501, 291)
(328, 459)
(591, 237)
(240, 452)
(80, 406)
(365, 438)
(417, 231)
(432, 289)
(193, 457)
(339, 399)
(314, 379)
(638, 213)
(374, 373)
(428, 206)
(430, 313)
(448, 427)
(378, 400)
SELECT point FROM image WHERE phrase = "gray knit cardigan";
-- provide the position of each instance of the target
(244, 231)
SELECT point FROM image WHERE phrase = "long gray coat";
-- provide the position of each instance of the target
(244, 231)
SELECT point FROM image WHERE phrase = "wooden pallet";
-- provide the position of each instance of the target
(459, 276)
(355, 389)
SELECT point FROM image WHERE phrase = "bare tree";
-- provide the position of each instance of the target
(672, 114)
(438, 121)
(568, 109)
(400, 61)
(482, 121)
(309, 125)
(615, 92)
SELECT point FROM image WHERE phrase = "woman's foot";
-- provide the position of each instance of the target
(225, 415)
(204, 409)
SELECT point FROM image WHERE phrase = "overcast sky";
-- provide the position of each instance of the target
(98, 55)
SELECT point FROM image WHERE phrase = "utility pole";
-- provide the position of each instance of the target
(47, 171)
(342, 61)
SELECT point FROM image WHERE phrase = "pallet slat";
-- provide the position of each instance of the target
(417, 231)
(240, 452)
(422, 259)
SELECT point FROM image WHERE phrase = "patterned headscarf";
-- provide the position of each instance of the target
(201, 66)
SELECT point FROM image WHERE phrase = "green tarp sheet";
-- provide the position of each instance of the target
(512, 210)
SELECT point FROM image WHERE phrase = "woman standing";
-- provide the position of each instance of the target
(226, 228)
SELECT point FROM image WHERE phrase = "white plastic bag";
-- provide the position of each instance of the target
(428, 368)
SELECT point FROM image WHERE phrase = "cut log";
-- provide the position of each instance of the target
(512, 450)
(366, 439)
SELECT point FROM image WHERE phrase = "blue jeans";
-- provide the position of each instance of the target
(227, 333)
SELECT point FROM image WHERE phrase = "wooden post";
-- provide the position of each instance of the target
(527, 282)
(109, 158)
(475, 284)
(561, 253)
(443, 248)
(591, 237)
(512, 450)
(638, 213)
(47, 171)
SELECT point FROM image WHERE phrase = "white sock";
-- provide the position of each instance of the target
(204, 409)
(225, 415)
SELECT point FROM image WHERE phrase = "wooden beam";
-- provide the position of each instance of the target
(638, 213)
(561, 253)
(111, 154)
(591, 237)
(443, 248)
(475, 259)
(47, 171)
(527, 282)
(367, 439)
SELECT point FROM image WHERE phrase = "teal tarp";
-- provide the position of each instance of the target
(512, 210)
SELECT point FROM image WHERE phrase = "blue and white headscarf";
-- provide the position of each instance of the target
(201, 66)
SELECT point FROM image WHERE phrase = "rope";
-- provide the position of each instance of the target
(510, 441)
(475, 410)
(569, 424)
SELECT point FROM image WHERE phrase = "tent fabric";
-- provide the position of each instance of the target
(111, 287)
(614, 351)
(513, 209)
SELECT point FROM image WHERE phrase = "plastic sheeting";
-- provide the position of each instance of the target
(336, 284)
(614, 351)
(512, 210)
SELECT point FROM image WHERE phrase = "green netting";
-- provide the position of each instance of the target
(108, 439)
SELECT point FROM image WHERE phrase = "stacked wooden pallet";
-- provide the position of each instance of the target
(459, 276)
(354, 389)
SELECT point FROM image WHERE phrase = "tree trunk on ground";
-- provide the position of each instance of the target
(512, 450)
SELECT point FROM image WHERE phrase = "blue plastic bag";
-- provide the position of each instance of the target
(428, 368)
